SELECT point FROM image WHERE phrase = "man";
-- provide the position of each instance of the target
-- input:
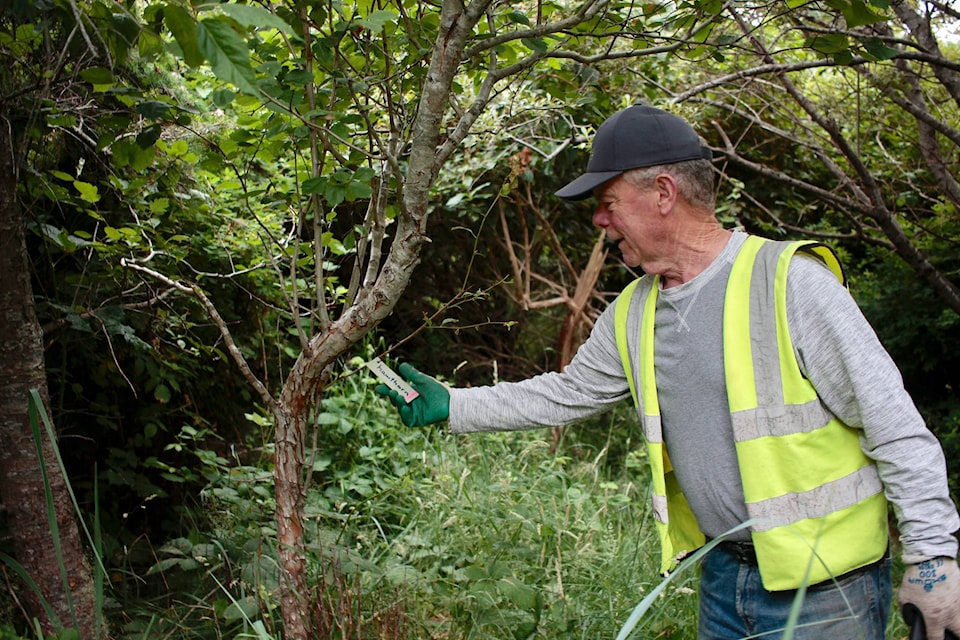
(765, 398)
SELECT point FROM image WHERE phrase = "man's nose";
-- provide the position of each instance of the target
(601, 217)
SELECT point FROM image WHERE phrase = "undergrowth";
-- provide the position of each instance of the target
(414, 533)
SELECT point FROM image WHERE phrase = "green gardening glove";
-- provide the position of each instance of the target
(431, 405)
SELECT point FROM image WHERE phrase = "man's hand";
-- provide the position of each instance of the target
(431, 405)
(933, 587)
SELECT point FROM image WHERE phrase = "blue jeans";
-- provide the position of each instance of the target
(734, 604)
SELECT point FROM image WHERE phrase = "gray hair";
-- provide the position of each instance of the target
(694, 178)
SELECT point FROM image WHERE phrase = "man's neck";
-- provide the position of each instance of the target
(697, 248)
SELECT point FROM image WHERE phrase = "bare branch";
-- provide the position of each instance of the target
(216, 318)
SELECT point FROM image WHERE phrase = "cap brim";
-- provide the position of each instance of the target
(582, 188)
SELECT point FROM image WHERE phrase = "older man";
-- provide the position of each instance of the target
(764, 396)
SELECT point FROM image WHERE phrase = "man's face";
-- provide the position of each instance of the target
(631, 218)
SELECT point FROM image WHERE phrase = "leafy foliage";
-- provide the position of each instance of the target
(496, 536)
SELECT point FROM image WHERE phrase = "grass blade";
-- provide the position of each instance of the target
(35, 408)
(641, 609)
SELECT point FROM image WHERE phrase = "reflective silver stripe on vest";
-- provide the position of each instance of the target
(763, 336)
(772, 417)
(660, 510)
(816, 503)
(778, 420)
(652, 429)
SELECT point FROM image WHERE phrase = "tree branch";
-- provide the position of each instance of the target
(216, 318)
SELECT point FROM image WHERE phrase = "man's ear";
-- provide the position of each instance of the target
(667, 191)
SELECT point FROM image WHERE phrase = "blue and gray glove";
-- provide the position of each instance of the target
(430, 406)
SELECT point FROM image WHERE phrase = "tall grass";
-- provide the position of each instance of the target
(41, 429)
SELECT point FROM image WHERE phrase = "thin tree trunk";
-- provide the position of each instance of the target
(289, 491)
(21, 482)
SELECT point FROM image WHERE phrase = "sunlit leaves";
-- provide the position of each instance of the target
(88, 192)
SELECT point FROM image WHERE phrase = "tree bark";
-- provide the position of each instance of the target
(22, 488)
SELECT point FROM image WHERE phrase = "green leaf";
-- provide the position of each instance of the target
(88, 192)
(63, 240)
(378, 19)
(162, 394)
(154, 109)
(149, 136)
(256, 17)
(876, 49)
(222, 97)
(364, 174)
(358, 191)
(160, 205)
(61, 120)
(126, 30)
(184, 30)
(334, 194)
(227, 54)
(163, 565)
(245, 608)
(69, 634)
(518, 17)
(857, 14)
(843, 57)
(335, 246)
(328, 419)
(523, 596)
(830, 43)
(314, 185)
(97, 75)
(535, 44)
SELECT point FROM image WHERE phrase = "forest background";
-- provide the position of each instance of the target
(211, 214)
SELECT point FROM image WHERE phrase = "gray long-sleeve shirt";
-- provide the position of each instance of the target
(838, 352)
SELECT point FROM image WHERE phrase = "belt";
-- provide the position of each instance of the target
(745, 553)
(742, 551)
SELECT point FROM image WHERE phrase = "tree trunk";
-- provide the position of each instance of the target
(289, 491)
(22, 489)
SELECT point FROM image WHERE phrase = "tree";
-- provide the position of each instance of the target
(22, 482)
(374, 100)
(48, 549)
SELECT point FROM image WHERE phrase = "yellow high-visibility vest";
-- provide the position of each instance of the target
(816, 499)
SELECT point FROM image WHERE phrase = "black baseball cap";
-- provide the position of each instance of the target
(638, 136)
